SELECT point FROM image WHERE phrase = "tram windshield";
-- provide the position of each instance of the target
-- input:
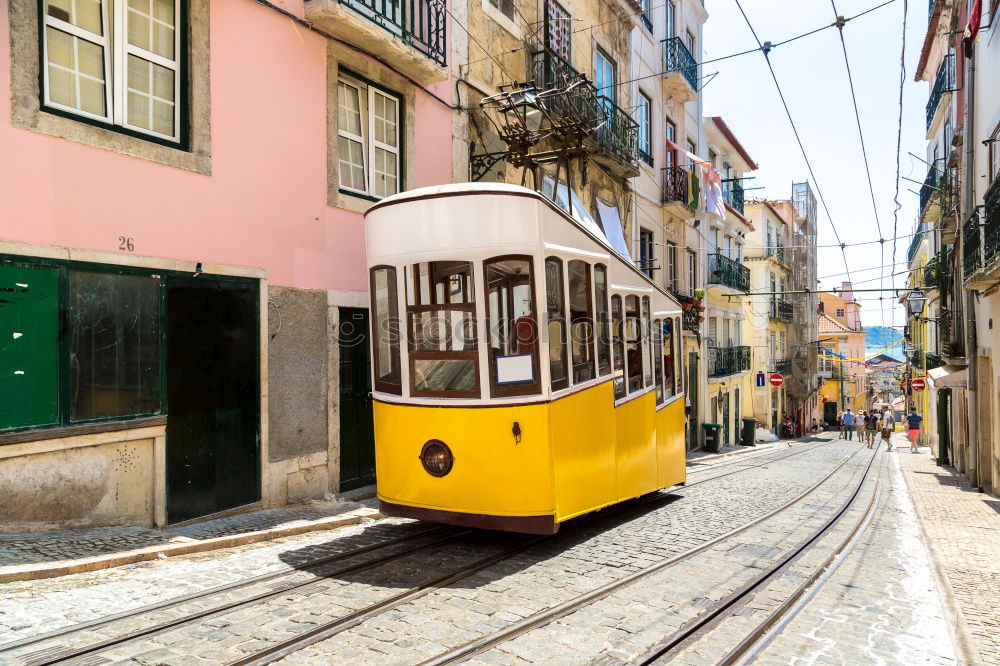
(513, 333)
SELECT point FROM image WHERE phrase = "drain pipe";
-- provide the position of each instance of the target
(971, 339)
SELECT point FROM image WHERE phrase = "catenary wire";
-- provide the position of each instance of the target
(899, 144)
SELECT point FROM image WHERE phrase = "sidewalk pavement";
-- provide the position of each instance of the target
(47, 554)
(961, 528)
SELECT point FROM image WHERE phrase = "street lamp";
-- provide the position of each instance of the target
(915, 302)
(524, 108)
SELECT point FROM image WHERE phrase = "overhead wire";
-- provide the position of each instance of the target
(899, 143)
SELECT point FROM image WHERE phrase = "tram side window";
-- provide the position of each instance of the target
(658, 340)
(678, 356)
(618, 340)
(603, 325)
(442, 322)
(581, 321)
(386, 330)
(668, 355)
(555, 306)
(647, 347)
(513, 335)
(633, 343)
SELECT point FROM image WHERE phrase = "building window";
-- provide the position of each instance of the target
(560, 30)
(642, 116)
(644, 16)
(692, 147)
(101, 361)
(555, 301)
(385, 325)
(840, 312)
(369, 136)
(646, 248)
(671, 277)
(692, 266)
(506, 7)
(994, 148)
(511, 326)
(605, 77)
(115, 62)
(671, 142)
(441, 314)
(671, 10)
(690, 45)
(581, 321)
(603, 325)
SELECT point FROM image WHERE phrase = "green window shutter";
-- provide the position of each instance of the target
(29, 346)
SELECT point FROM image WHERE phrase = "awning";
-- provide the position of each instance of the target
(949, 376)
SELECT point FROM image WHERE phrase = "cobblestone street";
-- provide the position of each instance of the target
(615, 587)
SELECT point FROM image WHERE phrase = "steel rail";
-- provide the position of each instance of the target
(544, 617)
(715, 614)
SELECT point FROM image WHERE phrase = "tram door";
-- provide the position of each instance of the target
(213, 396)
(357, 428)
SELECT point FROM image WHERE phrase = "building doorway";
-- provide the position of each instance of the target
(725, 420)
(357, 432)
(830, 413)
(692, 397)
(213, 395)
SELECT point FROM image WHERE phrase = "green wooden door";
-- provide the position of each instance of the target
(29, 344)
(357, 433)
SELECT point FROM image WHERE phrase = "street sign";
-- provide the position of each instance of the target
(917, 384)
(760, 379)
(777, 379)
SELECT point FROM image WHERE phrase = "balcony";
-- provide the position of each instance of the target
(982, 242)
(782, 366)
(925, 361)
(936, 204)
(614, 141)
(689, 320)
(944, 82)
(680, 71)
(782, 310)
(776, 252)
(410, 34)
(918, 237)
(728, 272)
(724, 361)
(732, 192)
(936, 271)
(675, 183)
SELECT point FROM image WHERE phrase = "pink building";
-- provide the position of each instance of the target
(183, 293)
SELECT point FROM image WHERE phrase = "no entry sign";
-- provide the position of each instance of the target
(918, 384)
(777, 379)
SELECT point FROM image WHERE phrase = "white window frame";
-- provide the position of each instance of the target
(366, 96)
(116, 49)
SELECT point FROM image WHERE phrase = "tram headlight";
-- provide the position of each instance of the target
(436, 458)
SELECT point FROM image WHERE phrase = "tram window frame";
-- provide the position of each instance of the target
(618, 343)
(416, 294)
(602, 320)
(658, 360)
(634, 352)
(582, 354)
(668, 358)
(647, 347)
(386, 333)
(555, 313)
(678, 357)
(531, 387)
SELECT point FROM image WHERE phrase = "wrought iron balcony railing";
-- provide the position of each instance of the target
(920, 358)
(915, 242)
(782, 310)
(783, 366)
(777, 251)
(732, 192)
(676, 180)
(991, 224)
(723, 361)
(418, 23)
(620, 134)
(972, 245)
(689, 320)
(943, 82)
(728, 272)
(936, 270)
(677, 58)
(930, 186)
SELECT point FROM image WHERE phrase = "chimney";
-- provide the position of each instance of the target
(847, 291)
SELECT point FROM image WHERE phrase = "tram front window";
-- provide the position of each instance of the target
(440, 308)
(555, 306)
(513, 334)
(603, 325)
(581, 321)
(618, 340)
(633, 343)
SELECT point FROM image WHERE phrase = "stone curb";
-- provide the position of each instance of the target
(110, 560)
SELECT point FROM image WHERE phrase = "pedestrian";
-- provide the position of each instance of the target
(887, 422)
(840, 425)
(913, 420)
(871, 425)
(859, 423)
(848, 422)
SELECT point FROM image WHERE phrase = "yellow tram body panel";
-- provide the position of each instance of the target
(576, 454)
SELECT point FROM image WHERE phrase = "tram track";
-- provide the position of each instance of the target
(62, 654)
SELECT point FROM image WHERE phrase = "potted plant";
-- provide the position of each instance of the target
(699, 293)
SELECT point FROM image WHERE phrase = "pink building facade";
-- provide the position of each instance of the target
(184, 294)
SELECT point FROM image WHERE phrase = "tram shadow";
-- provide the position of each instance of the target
(412, 553)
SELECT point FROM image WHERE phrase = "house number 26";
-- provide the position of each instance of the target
(125, 244)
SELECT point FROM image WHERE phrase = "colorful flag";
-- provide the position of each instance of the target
(972, 28)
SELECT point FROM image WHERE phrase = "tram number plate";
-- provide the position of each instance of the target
(516, 369)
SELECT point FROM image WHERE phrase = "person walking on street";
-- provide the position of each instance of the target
(913, 427)
(859, 423)
(848, 420)
(887, 421)
(840, 425)
(871, 425)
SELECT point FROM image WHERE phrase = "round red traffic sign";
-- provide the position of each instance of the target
(777, 379)
(917, 384)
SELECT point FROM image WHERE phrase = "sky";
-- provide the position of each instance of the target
(813, 77)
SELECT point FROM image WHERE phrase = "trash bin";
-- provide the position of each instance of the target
(712, 441)
(746, 435)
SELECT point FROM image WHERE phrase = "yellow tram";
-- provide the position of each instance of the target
(524, 372)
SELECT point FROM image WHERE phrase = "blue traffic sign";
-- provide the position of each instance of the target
(760, 380)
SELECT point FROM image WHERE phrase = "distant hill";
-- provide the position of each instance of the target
(878, 338)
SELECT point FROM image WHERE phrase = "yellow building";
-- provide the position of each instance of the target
(845, 384)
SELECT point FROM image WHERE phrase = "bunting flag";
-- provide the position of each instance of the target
(703, 178)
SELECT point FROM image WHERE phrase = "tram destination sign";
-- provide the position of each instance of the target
(777, 379)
